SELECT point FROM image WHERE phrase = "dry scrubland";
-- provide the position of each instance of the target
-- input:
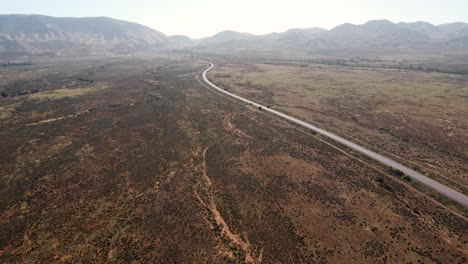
(129, 159)
(416, 117)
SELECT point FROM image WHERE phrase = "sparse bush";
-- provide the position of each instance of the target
(397, 172)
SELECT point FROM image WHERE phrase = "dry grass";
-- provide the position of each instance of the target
(68, 92)
(127, 181)
(7, 110)
(418, 116)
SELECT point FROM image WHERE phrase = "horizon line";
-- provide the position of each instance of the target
(231, 30)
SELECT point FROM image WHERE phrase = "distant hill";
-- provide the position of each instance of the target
(373, 36)
(227, 35)
(230, 41)
(181, 40)
(36, 34)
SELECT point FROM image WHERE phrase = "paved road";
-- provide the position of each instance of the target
(441, 188)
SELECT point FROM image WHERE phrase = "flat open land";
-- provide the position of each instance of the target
(415, 117)
(130, 159)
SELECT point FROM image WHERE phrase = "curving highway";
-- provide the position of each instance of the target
(435, 185)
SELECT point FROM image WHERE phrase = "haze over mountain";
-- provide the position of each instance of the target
(36, 34)
(376, 34)
(39, 35)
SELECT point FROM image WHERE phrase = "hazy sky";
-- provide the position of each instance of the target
(201, 18)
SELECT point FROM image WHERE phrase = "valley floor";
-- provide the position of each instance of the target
(132, 159)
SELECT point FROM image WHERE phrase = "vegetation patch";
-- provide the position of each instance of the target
(7, 110)
(68, 93)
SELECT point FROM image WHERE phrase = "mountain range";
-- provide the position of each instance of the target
(43, 35)
(36, 34)
(373, 35)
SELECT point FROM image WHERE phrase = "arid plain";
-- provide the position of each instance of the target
(134, 159)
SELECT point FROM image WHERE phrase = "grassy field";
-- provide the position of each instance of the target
(141, 163)
(416, 117)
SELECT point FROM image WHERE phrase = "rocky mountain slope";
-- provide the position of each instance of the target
(373, 35)
(35, 34)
